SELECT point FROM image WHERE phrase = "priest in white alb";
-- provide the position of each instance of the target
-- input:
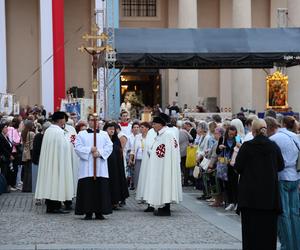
(55, 176)
(93, 195)
(164, 175)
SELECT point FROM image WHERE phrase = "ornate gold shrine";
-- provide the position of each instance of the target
(277, 91)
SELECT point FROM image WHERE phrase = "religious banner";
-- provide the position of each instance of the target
(82, 107)
(277, 91)
(6, 104)
(73, 107)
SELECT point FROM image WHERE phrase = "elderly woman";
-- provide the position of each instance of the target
(81, 125)
(258, 163)
(203, 149)
(203, 142)
(27, 136)
(225, 149)
(212, 155)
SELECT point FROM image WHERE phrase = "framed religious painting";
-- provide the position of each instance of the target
(277, 91)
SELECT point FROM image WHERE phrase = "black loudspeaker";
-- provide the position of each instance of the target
(80, 93)
(77, 92)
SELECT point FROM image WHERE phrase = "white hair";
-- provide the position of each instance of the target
(239, 127)
(179, 123)
(203, 125)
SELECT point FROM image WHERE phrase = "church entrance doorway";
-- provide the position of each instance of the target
(141, 87)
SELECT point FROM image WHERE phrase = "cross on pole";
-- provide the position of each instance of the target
(96, 52)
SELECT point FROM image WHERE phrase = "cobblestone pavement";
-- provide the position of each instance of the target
(23, 225)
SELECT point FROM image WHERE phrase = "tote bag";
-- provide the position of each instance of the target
(222, 168)
(204, 163)
(191, 155)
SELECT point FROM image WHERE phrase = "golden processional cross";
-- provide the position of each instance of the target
(97, 49)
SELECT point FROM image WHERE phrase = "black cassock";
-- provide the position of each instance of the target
(93, 196)
(118, 183)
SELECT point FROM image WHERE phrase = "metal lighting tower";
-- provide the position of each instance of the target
(101, 48)
(105, 19)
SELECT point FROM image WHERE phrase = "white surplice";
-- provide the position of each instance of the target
(164, 176)
(83, 145)
(55, 175)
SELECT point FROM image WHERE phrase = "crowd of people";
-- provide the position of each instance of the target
(243, 164)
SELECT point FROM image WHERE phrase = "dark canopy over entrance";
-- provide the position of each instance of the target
(207, 48)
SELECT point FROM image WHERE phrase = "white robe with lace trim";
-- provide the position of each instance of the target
(84, 143)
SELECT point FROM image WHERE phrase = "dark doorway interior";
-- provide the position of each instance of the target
(145, 84)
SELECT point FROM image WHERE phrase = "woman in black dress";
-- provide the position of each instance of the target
(116, 171)
(258, 163)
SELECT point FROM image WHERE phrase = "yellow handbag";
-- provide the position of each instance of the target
(223, 160)
(191, 156)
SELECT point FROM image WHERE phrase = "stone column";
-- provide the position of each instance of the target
(3, 61)
(225, 74)
(187, 79)
(241, 78)
(171, 84)
(294, 72)
(46, 55)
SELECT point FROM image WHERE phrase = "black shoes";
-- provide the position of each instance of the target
(99, 217)
(88, 217)
(68, 208)
(162, 212)
(115, 208)
(149, 209)
(122, 203)
(203, 197)
(57, 211)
